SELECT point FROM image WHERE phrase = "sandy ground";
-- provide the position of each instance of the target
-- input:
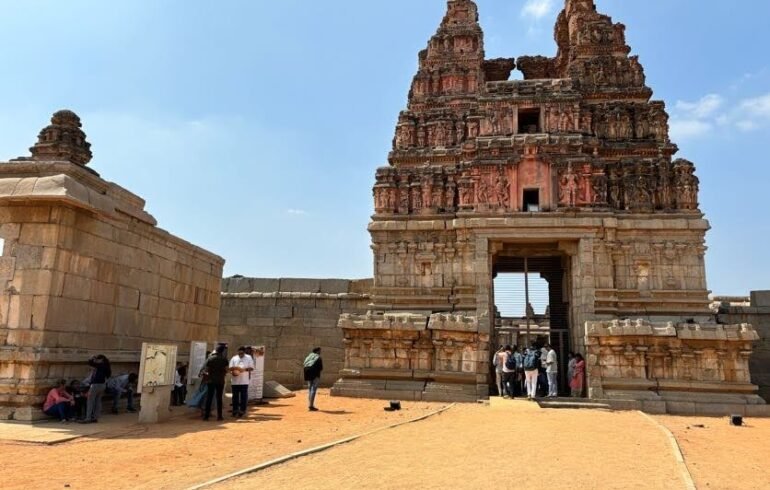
(186, 451)
(722, 456)
(509, 445)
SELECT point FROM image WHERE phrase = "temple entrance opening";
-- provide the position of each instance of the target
(532, 301)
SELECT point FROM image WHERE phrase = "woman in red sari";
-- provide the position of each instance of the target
(576, 383)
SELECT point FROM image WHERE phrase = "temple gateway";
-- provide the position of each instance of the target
(568, 174)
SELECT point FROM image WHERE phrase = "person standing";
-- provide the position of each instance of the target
(122, 384)
(99, 376)
(571, 366)
(241, 366)
(313, 366)
(531, 365)
(576, 382)
(499, 361)
(59, 402)
(216, 370)
(519, 378)
(551, 370)
(509, 372)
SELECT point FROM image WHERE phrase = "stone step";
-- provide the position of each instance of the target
(572, 403)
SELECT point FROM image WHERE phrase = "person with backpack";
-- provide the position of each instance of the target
(313, 365)
(531, 366)
(509, 372)
(498, 361)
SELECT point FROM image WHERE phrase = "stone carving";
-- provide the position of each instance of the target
(63, 140)
(579, 139)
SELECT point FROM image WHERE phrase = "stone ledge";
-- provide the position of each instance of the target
(622, 328)
(294, 295)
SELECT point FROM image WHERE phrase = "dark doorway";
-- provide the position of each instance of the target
(529, 121)
(531, 305)
(531, 200)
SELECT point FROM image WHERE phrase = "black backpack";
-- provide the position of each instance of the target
(510, 362)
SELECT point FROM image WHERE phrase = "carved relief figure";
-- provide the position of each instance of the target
(502, 189)
(568, 188)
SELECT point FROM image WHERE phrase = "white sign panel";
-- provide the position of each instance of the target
(197, 360)
(157, 365)
(257, 380)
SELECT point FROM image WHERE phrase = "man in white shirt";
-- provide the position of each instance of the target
(499, 362)
(551, 370)
(241, 366)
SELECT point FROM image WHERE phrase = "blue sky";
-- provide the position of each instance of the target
(253, 127)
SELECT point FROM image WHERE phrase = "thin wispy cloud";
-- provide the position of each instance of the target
(701, 117)
(297, 212)
(537, 9)
(702, 108)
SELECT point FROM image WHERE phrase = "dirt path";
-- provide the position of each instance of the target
(515, 444)
(722, 456)
(186, 450)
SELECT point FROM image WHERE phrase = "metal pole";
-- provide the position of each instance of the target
(526, 297)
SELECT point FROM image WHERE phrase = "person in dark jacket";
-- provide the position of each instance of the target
(313, 366)
(101, 373)
(216, 371)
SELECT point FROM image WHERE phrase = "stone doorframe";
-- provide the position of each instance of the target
(580, 278)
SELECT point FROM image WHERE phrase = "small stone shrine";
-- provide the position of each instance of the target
(86, 271)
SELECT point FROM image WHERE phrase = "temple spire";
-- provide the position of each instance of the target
(63, 140)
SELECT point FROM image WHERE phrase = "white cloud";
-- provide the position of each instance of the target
(703, 108)
(757, 106)
(747, 125)
(297, 212)
(537, 9)
(689, 128)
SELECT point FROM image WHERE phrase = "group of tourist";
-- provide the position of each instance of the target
(534, 372)
(82, 400)
(214, 373)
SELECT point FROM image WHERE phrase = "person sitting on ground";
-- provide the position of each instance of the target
(122, 384)
(576, 383)
(313, 365)
(78, 393)
(59, 403)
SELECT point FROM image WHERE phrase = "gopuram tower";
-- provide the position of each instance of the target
(569, 174)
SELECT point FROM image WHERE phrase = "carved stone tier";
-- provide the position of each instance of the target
(673, 367)
(403, 355)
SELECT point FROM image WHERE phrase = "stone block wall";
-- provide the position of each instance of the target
(77, 284)
(290, 317)
(758, 315)
(85, 270)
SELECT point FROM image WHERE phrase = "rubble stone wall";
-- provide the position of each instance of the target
(758, 315)
(290, 317)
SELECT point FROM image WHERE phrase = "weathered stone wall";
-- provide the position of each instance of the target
(85, 270)
(758, 315)
(290, 317)
(78, 284)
